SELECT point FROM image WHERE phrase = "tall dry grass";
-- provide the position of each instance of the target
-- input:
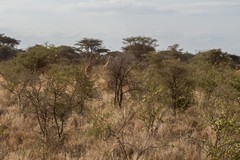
(104, 132)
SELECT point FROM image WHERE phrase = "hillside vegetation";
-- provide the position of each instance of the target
(87, 102)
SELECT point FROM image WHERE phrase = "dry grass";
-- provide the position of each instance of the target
(100, 133)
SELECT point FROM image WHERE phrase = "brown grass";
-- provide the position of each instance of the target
(88, 137)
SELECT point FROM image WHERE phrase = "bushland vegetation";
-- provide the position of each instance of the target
(138, 103)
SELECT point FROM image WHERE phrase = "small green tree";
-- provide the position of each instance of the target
(217, 85)
(15, 78)
(150, 96)
(37, 58)
(50, 97)
(177, 85)
(53, 98)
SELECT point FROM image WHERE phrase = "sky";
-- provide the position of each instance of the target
(195, 25)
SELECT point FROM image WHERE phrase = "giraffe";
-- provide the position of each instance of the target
(105, 66)
(92, 60)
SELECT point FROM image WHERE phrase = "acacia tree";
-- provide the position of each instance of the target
(89, 45)
(8, 41)
(120, 74)
(177, 85)
(7, 47)
(91, 49)
(50, 97)
(18, 71)
(218, 86)
(214, 57)
(66, 88)
(68, 54)
(53, 98)
(139, 46)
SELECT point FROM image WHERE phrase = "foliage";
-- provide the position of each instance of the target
(177, 85)
(68, 54)
(51, 97)
(7, 47)
(15, 78)
(168, 81)
(89, 45)
(152, 116)
(101, 125)
(6, 53)
(227, 142)
(24, 68)
(139, 46)
(120, 75)
(66, 89)
(8, 41)
(214, 57)
(35, 59)
(173, 52)
(53, 94)
(219, 103)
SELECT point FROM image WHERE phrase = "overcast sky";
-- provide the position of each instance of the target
(195, 25)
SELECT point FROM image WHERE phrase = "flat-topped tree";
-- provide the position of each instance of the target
(8, 41)
(89, 45)
(7, 47)
(139, 46)
(92, 48)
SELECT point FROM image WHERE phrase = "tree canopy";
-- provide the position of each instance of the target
(89, 45)
(7, 47)
(8, 41)
(139, 45)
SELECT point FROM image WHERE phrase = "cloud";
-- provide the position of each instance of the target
(215, 4)
(146, 7)
(191, 23)
(113, 7)
(199, 7)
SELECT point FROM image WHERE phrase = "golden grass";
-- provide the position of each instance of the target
(87, 136)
